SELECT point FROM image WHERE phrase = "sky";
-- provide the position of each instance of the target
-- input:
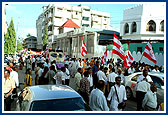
(25, 15)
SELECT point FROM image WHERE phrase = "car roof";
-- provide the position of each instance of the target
(49, 92)
(157, 74)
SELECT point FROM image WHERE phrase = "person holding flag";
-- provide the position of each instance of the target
(103, 61)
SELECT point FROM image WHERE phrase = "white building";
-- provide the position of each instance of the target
(143, 22)
(55, 15)
(30, 43)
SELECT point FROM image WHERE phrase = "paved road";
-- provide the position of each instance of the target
(131, 104)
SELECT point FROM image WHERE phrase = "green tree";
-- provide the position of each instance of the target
(10, 39)
(29, 35)
(45, 38)
(19, 44)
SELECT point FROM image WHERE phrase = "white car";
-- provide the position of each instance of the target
(50, 98)
(158, 80)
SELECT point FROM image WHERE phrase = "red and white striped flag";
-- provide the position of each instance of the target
(118, 48)
(148, 53)
(84, 50)
(103, 61)
(129, 59)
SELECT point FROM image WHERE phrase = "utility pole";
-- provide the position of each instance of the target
(17, 35)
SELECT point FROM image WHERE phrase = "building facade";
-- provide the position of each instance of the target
(30, 43)
(143, 23)
(55, 15)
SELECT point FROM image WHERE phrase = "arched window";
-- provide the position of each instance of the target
(134, 26)
(161, 25)
(151, 26)
(126, 28)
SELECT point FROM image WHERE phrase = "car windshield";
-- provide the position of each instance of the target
(74, 104)
(54, 55)
(157, 81)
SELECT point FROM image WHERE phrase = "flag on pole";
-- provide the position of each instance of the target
(148, 53)
(103, 61)
(118, 48)
(84, 50)
(129, 60)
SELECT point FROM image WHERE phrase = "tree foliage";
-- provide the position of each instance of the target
(10, 39)
(45, 38)
(19, 44)
(29, 35)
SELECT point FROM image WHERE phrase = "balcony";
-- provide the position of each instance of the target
(50, 15)
(58, 14)
(86, 14)
(50, 23)
(95, 19)
(50, 32)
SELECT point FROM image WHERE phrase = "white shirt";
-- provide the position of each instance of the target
(90, 78)
(131, 70)
(33, 59)
(42, 59)
(150, 99)
(98, 101)
(121, 95)
(59, 77)
(143, 86)
(47, 65)
(122, 78)
(111, 77)
(67, 76)
(101, 76)
(141, 77)
(14, 75)
(40, 72)
(154, 70)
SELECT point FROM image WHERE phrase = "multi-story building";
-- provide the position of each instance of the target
(39, 25)
(55, 15)
(30, 43)
(141, 23)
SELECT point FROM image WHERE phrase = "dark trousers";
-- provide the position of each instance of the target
(7, 103)
(139, 97)
(95, 80)
(85, 96)
(33, 66)
(67, 82)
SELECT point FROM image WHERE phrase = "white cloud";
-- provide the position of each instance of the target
(13, 9)
(23, 32)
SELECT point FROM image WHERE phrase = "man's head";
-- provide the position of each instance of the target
(86, 74)
(145, 72)
(119, 71)
(6, 73)
(15, 68)
(102, 68)
(153, 87)
(80, 70)
(89, 70)
(118, 80)
(97, 63)
(63, 69)
(101, 85)
(10, 65)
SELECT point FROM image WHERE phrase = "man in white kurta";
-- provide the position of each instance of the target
(113, 97)
(97, 99)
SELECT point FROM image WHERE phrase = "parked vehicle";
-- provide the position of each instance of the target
(58, 56)
(158, 80)
(50, 98)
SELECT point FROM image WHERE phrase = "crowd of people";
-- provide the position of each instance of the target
(102, 86)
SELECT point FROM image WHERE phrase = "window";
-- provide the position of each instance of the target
(161, 26)
(49, 28)
(151, 26)
(134, 27)
(85, 18)
(160, 48)
(139, 49)
(85, 25)
(126, 28)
